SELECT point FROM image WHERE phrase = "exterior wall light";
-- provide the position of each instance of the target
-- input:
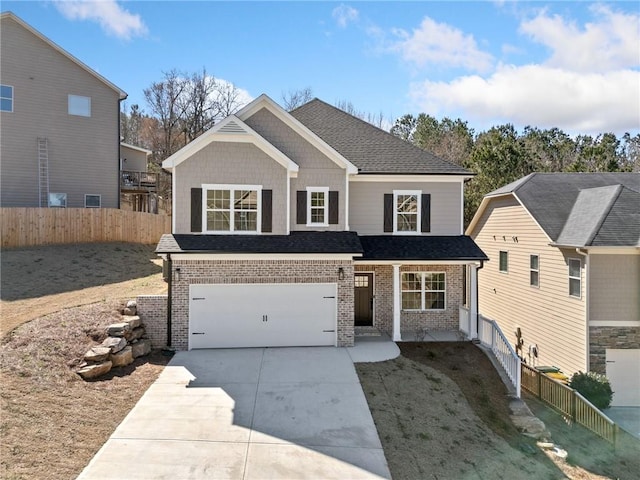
(340, 273)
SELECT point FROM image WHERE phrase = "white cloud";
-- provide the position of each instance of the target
(114, 19)
(439, 44)
(610, 42)
(539, 95)
(344, 14)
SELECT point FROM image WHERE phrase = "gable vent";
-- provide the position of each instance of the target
(232, 127)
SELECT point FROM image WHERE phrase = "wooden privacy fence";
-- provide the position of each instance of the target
(25, 227)
(569, 402)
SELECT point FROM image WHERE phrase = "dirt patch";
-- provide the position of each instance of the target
(42, 280)
(442, 413)
(53, 422)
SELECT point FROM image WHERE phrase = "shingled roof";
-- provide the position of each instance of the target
(582, 209)
(420, 248)
(371, 149)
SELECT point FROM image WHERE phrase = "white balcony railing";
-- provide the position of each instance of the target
(492, 337)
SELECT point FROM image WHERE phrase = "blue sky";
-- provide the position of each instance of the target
(572, 65)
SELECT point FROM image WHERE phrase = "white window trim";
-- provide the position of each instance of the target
(418, 194)
(423, 292)
(57, 206)
(579, 278)
(92, 195)
(231, 188)
(324, 190)
(534, 270)
(499, 266)
(12, 97)
(69, 97)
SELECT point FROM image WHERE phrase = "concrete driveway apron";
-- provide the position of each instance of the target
(274, 413)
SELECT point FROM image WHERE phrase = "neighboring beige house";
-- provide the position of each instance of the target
(138, 187)
(297, 228)
(564, 271)
(60, 125)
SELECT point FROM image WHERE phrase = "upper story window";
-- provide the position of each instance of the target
(424, 291)
(575, 279)
(79, 105)
(504, 261)
(231, 208)
(317, 206)
(6, 98)
(406, 214)
(534, 270)
(58, 200)
(92, 201)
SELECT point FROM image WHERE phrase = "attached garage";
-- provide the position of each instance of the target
(623, 371)
(262, 315)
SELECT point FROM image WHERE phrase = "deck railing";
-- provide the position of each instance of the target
(131, 180)
(569, 402)
(492, 337)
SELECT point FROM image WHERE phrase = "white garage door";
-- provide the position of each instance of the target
(262, 315)
(623, 371)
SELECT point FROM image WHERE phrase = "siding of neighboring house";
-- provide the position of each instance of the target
(230, 163)
(316, 170)
(83, 151)
(133, 160)
(546, 315)
(614, 295)
(366, 205)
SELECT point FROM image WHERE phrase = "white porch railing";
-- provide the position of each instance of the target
(465, 324)
(492, 337)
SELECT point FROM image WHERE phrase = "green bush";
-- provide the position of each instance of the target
(594, 387)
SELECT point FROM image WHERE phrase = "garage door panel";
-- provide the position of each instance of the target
(623, 372)
(256, 315)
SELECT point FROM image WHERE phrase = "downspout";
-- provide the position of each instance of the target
(478, 296)
(169, 284)
(118, 156)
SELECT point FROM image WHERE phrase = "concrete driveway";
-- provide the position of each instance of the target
(260, 413)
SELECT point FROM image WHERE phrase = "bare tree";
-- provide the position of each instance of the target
(294, 98)
(377, 120)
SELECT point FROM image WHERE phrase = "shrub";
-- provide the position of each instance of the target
(594, 387)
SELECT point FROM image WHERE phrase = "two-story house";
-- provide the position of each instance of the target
(60, 125)
(294, 228)
(564, 276)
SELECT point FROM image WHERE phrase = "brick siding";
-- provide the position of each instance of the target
(601, 338)
(152, 310)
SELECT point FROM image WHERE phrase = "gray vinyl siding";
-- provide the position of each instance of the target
(366, 213)
(315, 169)
(230, 163)
(614, 288)
(133, 160)
(83, 151)
(547, 316)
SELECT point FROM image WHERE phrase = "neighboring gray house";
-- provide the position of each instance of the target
(565, 271)
(60, 125)
(297, 228)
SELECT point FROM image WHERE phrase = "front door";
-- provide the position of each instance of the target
(363, 299)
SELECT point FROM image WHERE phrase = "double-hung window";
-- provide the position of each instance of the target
(317, 206)
(6, 98)
(231, 208)
(424, 291)
(406, 213)
(534, 270)
(575, 279)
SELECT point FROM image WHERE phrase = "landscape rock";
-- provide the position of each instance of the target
(141, 348)
(94, 371)
(132, 304)
(115, 344)
(118, 329)
(128, 311)
(122, 358)
(136, 333)
(97, 354)
(133, 321)
(531, 426)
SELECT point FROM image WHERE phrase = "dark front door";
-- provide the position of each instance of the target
(363, 299)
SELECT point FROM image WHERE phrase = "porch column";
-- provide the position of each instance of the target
(473, 303)
(397, 337)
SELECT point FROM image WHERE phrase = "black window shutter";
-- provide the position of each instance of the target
(267, 209)
(334, 207)
(388, 212)
(301, 207)
(425, 221)
(196, 210)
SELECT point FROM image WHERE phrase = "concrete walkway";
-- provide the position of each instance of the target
(275, 413)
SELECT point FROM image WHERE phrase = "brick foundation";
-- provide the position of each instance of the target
(152, 310)
(601, 338)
